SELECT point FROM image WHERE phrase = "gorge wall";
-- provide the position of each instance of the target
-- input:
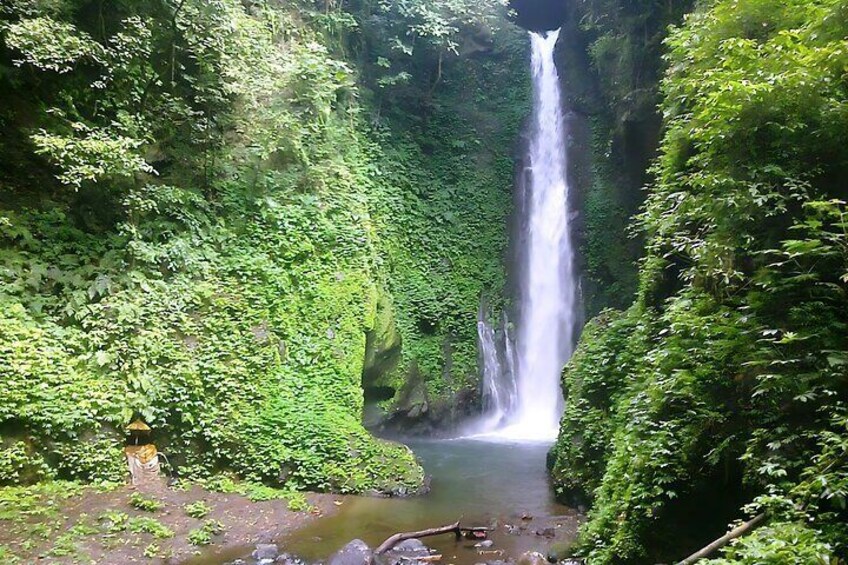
(231, 218)
(719, 394)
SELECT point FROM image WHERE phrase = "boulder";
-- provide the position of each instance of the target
(407, 552)
(559, 551)
(265, 551)
(356, 552)
(547, 532)
(411, 546)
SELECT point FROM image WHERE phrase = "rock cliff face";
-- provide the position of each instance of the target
(420, 373)
(612, 99)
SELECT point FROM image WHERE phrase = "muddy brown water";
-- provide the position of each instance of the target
(481, 483)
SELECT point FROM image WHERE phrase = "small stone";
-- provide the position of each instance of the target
(513, 530)
(265, 562)
(526, 516)
(266, 551)
(532, 558)
(485, 543)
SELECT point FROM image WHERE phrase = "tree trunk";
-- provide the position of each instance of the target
(454, 528)
(724, 540)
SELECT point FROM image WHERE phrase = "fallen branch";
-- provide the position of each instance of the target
(454, 528)
(724, 540)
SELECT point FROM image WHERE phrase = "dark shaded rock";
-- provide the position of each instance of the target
(559, 551)
(266, 551)
(548, 532)
(356, 552)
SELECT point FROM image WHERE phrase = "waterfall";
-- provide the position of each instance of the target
(498, 371)
(547, 281)
(496, 397)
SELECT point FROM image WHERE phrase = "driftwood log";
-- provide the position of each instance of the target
(454, 528)
(724, 540)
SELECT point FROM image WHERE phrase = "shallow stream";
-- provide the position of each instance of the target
(481, 483)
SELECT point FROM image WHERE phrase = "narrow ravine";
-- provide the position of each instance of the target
(495, 475)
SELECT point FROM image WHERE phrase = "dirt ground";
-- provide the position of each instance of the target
(104, 528)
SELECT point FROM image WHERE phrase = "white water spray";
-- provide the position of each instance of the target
(547, 281)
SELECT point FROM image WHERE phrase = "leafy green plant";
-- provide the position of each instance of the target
(114, 521)
(198, 509)
(151, 526)
(151, 551)
(204, 534)
(137, 500)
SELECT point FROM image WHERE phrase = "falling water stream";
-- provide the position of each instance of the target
(525, 403)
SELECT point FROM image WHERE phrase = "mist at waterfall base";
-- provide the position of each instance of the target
(521, 366)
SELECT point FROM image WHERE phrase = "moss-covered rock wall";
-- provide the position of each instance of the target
(227, 217)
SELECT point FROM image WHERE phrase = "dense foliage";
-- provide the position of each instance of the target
(204, 220)
(723, 391)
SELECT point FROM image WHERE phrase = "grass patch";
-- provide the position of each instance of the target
(257, 492)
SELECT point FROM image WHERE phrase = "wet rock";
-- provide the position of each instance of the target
(411, 546)
(559, 551)
(485, 543)
(548, 532)
(356, 552)
(288, 559)
(526, 516)
(512, 530)
(266, 551)
(407, 552)
(532, 558)
(265, 562)
(237, 562)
